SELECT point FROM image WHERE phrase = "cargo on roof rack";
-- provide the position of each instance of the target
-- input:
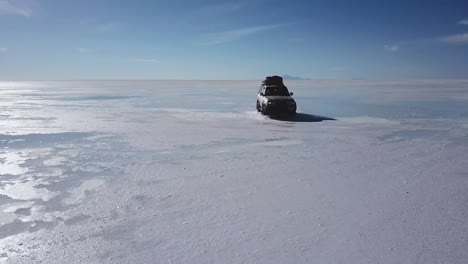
(273, 80)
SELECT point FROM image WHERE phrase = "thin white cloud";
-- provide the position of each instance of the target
(455, 39)
(233, 35)
(108, 27)
(149, 60)
(83, 50)
(464, 22)
(17, 7)
(391, 48)
(3, 50)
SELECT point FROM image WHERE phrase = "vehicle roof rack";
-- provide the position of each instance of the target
(273, 80)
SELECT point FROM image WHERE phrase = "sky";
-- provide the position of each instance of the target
(232, 40)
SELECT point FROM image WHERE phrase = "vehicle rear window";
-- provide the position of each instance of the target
(276, 91)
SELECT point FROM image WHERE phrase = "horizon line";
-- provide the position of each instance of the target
(232, 80)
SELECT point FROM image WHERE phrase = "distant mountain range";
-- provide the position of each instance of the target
(289, 77)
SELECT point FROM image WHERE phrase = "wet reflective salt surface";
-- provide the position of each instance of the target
(179, 172)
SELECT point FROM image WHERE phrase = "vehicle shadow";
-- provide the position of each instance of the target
(301, 117)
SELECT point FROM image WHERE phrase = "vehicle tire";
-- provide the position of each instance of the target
(264, 110)
(258, 107)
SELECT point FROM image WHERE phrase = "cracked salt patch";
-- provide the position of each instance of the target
(50, 173)
(55, 161)
(10, 212)
(11, 208)
(41, 170)
(198, 114)
(80, 192)
(35, 140)
(98, 97)
(279, 143)
(26, 191)
(11, 163)
(367, 120)
(228, 146)
(40, 213)
(6, 218)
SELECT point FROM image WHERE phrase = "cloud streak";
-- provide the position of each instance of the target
(3, 50)
(18, 8)
(455, 39)
(464, 22)
(391, 48)
(236, 34)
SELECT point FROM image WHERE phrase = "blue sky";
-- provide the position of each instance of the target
(200, 39)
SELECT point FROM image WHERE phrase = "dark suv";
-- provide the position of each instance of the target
(275, 99)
